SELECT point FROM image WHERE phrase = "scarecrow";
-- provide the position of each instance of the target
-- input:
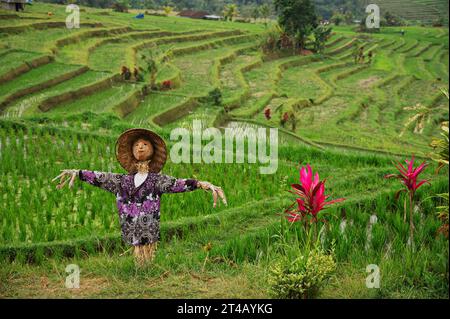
(143, 154)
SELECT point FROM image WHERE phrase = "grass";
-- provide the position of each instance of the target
(35, 76)
(109, 99)
(14, 59)
(28, 105)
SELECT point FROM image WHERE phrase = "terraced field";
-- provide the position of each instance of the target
(422, 11)
(63, 102)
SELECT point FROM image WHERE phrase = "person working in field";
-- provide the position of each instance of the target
(143, 154)
(370, 56)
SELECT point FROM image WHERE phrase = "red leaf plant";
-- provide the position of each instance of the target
(311, 197)
(408, 177)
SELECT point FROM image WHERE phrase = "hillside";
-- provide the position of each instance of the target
(416, 11)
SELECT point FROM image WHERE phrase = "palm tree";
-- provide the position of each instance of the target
(167, 10)
(422, 115)
(230, 11)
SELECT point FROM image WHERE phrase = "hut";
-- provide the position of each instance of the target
(16, 5)
(193, 14)
(213, 17)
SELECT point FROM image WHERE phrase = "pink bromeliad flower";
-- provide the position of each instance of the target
(408, 175)
(311, 196)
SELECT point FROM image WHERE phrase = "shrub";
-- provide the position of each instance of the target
(337, 18)
(321, 35)
(215, 97)
(271, 39)
(167, 10)
(120, 6)
(301, 278)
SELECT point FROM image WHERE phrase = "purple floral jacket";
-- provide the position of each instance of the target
(138, 206)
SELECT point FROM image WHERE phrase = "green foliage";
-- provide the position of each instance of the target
(348, 17)
(167, 10)
(151, 66)
(120, 6)
(215, 96)
(441, 146)
(297, 17)
(321, 35)
(443, 210)
(391, 20)
(271, 38)
(265, 11)
(230, 11)
(302, 277)
(256, 12)
(337, 18)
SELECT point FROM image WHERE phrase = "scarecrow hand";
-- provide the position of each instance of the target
(216, 191)
(66, 175)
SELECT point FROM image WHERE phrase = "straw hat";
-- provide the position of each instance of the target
(124, 150)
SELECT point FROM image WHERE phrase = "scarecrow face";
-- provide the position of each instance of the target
(142, 149)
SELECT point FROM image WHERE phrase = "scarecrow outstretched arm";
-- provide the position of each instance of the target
(170, 184)
(108, 181)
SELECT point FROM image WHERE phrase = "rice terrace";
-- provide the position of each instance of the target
(366, 109)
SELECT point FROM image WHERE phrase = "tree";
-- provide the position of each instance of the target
(121, 6)
(246, 12)
(136, 4)
(321, 35)
(152, 67)
(215, 97)
(255, 13)
(230, 11)
(391, 20)
(265, 12)
(337, 18)
(298, 18)
(348, 17)
(148, 4)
